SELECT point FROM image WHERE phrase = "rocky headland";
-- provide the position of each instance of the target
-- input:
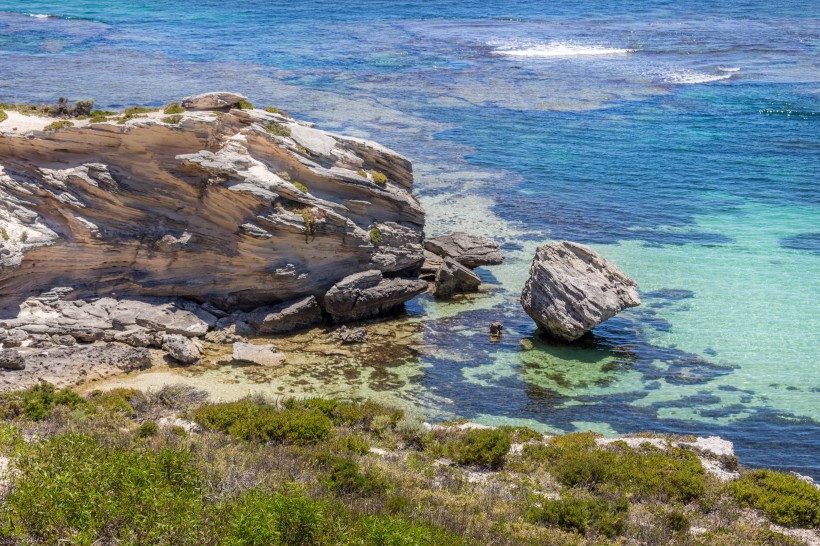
(139, 230)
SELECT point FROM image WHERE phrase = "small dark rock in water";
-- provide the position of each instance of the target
(351, 335)
(496, 329)
(11, 360)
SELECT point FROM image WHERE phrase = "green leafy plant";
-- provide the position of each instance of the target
(174, 108)
(576, 513)
(4, 234)
(147, 429)
(361, 173)
(61, 124)
(786, 499)
(172, 120)
(375, 235)
(483, 447)
(301, 187)
(244, 105)
(278, 129)
(273, 110)
(379, 178)
(3, 116)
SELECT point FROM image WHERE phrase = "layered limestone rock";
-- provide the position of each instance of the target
(153, 231)
(572, 289)
(468, 250)
(453, 278)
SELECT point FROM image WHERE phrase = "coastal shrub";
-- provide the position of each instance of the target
(273, 110)
(38, 402)
(483, 447)
(361, 173)
(521, 434)
(83, 108)
(309, 221)
(11, 439)
(676, 521)
(278, 129)
(395, 531)
(3, 116)
(98, 118)
(345, 477)
(147, 429)
(361, 414)
(379, 178)
(301, 187)
(582, 514)
(174, 108)
(117, 401)
(260, 518)
(244, 105)
(251, 421)
(61, 124)
(375, 235)
(646, 472)
(4, 234)
(172, 120)
(784, 498)
(72, 488)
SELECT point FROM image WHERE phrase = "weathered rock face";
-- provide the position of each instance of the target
(453, 278)
(369, 294)
(468, 250)
(572, 289)
(209, 209)
(213, 100)
(261, 355)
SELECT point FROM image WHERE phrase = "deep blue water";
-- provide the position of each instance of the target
(680, 139)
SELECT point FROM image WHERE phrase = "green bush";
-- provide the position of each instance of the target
(278, 129)
(117, 400)
(72, 488)
(345, 477)
(250, 421)
(259, 518)
(484, 447)
(393, 531)
(172, 120)
(301, 187)
(784, 498)
(98, 119)
(576, 513)
(4, 234)
(39, 401)
(148, 429)
(676, 521)
(61, 124)
(646, 472)
(83, 108)
(174, 108)
(273, 110)
(361, 173)
(3, 116)
(244, 105)
(375, 235)
(379, 178)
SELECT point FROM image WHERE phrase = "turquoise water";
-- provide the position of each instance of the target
(681, 140)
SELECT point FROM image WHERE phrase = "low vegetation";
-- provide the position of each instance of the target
(169, 467)
(61, 124)
(301, 187)
(172, 120)
(278, 129)
(173, 108)
(3, 116)
(274, 110)
(379, 178)
(244, 105)
(375, 235)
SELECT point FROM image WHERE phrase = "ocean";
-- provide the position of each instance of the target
(681, 140)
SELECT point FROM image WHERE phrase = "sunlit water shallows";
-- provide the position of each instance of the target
(682, 141)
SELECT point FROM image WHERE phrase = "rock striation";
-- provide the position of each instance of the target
(572, 289)
(219, 221)
(468, 250)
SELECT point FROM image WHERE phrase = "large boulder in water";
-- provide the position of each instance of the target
(572, 289)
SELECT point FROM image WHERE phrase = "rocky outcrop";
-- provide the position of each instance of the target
(453, 278)
(237, 208)
(350, 336)
(468, 250)
(572, 289)
(213, 100)
(369, 294)
(153, 232)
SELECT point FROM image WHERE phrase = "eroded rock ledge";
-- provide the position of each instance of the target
(218, 218)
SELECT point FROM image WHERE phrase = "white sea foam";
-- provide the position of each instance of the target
(556, 49)
(728, 69)
(684, 77)
(42, 15)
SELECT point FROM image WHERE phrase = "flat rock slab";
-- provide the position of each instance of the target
(572, 289)
(287, 317)
(181, 348)
(262, 355)
(468, 250)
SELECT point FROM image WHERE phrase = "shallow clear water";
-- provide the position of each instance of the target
(680, 140)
